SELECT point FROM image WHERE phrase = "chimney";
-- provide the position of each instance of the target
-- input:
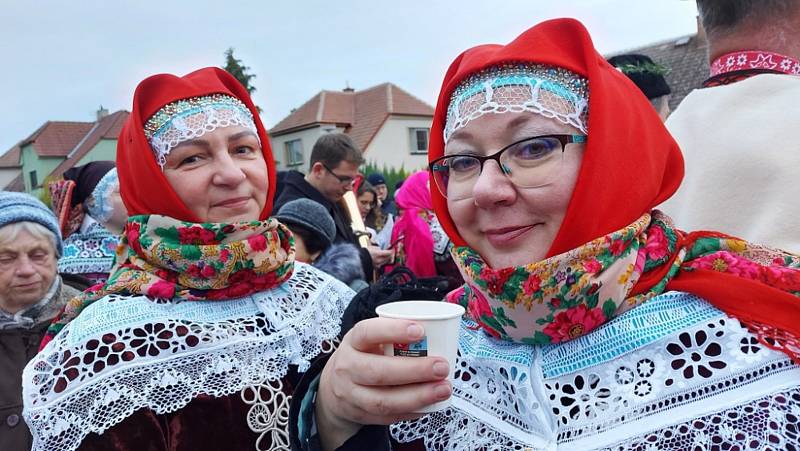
(701, 33)
(347, 87)
(101, 112)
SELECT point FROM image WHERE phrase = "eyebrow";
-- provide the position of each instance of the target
(241, 134)
(194, 142)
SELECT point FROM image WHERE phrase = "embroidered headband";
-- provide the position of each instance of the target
(100, 206)
(191, 118)
(514, 88)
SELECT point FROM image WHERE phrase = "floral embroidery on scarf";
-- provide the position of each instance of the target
(163, 258)
(559, 298)
(568, 295)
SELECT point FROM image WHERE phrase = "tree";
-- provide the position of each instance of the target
(235, 67)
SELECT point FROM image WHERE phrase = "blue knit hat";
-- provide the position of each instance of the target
(376, 178)
(21, 207)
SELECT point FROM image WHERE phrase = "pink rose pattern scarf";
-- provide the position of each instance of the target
(568, 295)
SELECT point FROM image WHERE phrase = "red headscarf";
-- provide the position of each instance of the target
(143, 187)
(631, 164)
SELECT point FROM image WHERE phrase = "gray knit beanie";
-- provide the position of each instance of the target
(21, 207)
(311, 215)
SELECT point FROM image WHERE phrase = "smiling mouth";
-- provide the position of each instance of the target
(233, 203)
(507, 235)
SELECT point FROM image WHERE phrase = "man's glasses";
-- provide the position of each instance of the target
(343, 179)
(528, 163)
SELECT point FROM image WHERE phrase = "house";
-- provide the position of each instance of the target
(686, 58)
(388, 124)
(57, 146)
(11, 171)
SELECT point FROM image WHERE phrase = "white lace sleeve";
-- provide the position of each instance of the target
(125, 353)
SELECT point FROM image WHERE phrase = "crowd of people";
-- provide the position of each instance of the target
(629, 284)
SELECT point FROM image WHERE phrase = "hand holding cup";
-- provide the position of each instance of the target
(360, 385)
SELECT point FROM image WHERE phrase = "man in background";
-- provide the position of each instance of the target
(738, 132)
(332, 171)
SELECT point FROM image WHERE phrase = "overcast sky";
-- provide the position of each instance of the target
(63, 59)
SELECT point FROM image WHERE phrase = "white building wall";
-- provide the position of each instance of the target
(7, 175)
(391, 146)
(307, 136)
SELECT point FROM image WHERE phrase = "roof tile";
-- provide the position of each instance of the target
(58, 138)
(361, 113)
(109, 127)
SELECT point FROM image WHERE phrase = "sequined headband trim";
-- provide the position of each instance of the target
(191, 118)
(512, 88)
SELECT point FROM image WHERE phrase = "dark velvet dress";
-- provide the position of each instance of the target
(205, 424)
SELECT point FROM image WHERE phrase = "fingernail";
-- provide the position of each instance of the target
(442, 391)
(415, 331)
(441, 369)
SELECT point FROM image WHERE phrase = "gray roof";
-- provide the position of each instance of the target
(687, 61)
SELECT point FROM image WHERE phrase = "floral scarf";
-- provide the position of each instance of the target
(568, 295)
(163, 258)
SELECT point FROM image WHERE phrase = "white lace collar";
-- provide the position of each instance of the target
(674, 375)
(126, 353)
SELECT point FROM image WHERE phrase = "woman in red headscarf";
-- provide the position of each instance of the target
(592, 322)
(198, 336)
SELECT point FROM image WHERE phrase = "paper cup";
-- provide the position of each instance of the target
(441, 323)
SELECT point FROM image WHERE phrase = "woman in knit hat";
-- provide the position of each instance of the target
(31, 295)
(592, 321)
(197, 338)
(91, 215)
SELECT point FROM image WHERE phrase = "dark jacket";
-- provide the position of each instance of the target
(295, 186)
(17, 347)
(343, 261)
(389, 207)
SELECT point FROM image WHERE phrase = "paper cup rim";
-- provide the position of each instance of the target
(449, 311)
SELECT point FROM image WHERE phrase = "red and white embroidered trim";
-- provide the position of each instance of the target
(755, 59)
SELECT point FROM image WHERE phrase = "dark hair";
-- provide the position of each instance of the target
(726, 15)
(333, 148)
(374, 218)
(314, 242)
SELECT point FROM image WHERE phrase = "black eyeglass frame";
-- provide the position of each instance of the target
(343, 179)
(434, 165)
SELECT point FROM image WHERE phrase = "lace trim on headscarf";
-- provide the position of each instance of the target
(514, 88)
(191, 118)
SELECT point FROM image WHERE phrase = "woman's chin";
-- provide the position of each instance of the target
(226, 215)
(519, 257)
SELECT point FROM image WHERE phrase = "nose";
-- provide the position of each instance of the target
(492, 187)
(228, 172)
(25, 267)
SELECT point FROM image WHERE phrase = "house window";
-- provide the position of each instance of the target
(34, 180)
(419, 140)
(294, 152)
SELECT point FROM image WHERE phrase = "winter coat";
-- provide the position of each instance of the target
(342, 261)
(17, 347)
(295, 186)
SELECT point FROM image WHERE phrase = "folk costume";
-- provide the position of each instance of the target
(739, 178)
(82, 203)
(631, 334)
(196, 339)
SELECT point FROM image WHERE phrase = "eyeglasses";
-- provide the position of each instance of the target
(343, 179)
(528, 163)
